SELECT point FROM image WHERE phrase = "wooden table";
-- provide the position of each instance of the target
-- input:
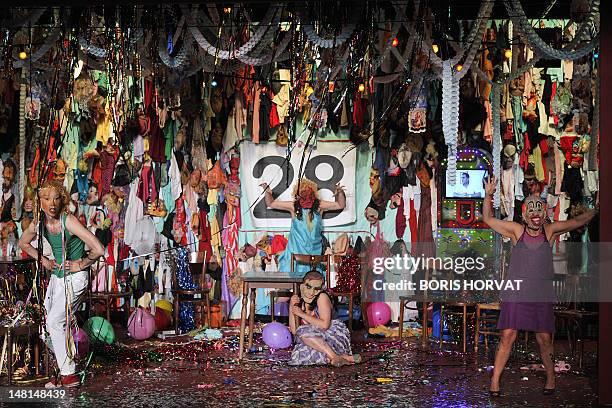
(251, 281)
(30, 329)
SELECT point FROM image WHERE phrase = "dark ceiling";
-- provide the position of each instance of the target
(457, 9)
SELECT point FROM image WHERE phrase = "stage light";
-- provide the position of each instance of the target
(23, 55)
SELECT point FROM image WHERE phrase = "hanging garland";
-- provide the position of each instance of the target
(271, 19)
(337, 41)
(450, 117)
(33, 57)
(533, 40)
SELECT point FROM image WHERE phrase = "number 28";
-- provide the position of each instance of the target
(261, 211)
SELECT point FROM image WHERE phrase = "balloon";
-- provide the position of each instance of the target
(162, 319)
(81, 341)
(379, 313)
(164, 304)
(277, 336)
(98, 328)
(281, 309)
(141, 324)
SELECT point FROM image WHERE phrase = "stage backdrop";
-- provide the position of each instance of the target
(327, 165)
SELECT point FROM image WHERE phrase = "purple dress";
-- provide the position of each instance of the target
(531, 307)
(337, 337)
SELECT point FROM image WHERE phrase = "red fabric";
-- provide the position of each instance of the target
(413, 222)
(147, 190)
(524, 158)
(566, 144)
(279, 243)
(544, 150)
(552, 97)
(400, 220)
(274, 120)
(148, 96)
(358, 111)
(205, 235)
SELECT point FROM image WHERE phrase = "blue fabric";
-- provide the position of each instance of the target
(302, 240)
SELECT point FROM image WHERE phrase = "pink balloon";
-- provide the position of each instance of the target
(379, 313)
(141, 325)
(81, 341)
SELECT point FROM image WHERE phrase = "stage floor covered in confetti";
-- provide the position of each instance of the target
(181, 371)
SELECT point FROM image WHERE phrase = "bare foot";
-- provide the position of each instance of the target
(338, 361)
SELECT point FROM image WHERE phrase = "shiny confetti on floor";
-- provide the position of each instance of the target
(185, 372)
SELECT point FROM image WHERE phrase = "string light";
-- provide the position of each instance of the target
(23, 55)
(508, 53)
(458, 67)
(395, 42)
(361, 87)
(435, 48)
(213, 83)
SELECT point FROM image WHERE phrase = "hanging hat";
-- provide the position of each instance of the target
(509, 150)
(414, 142)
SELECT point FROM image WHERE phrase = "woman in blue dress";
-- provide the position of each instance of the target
(305, 236)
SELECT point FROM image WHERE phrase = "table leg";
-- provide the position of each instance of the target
(9, 358)
(252, 316)
(37, 354)
(296, 291)
(464, 327)
(350, 312)
(243, 318)
(424, 334)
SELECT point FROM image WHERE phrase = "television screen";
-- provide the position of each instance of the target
(468, 184)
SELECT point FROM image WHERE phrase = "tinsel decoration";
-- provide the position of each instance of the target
(349, 275)
(496, 143)
(185, 281)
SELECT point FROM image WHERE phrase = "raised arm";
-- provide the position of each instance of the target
(339, 204)
(271, 202)
(508, 229)
(561, 227)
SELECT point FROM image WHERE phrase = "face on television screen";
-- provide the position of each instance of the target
(469, 184)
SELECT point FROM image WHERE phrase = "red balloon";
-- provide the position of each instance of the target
(162, 319)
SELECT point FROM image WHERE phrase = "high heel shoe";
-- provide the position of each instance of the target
(494, 394)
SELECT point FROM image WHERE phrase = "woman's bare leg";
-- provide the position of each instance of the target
(501, 357)
(320, 345)
(547, 353)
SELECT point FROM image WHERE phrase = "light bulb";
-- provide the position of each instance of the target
(395, 42)
(435, 48)
(458, 67)
(361, 87)
(23, 55)
(508, 53)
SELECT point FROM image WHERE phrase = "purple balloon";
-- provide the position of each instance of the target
(379, 313)
(277, 336)
(81, 341)
(141, 324)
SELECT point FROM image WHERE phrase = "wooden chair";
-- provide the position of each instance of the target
(107, 296)
(463, 312)
(197, 266)
(418, 298)
(485, 323)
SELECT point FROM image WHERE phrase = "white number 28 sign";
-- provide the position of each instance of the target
(327, 165)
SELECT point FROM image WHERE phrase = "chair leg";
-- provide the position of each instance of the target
(477, 329)
(272, 306)
(441, 325)
(401, 318)
(36, 354)
(9, 359)
(350, 313)
(176, 316)
(208, 312)
(464, 328)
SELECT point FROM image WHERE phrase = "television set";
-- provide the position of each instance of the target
(468, 184)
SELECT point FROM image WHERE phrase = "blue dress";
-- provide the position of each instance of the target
(303, 240)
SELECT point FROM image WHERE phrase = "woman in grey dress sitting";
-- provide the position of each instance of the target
(318, 338)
